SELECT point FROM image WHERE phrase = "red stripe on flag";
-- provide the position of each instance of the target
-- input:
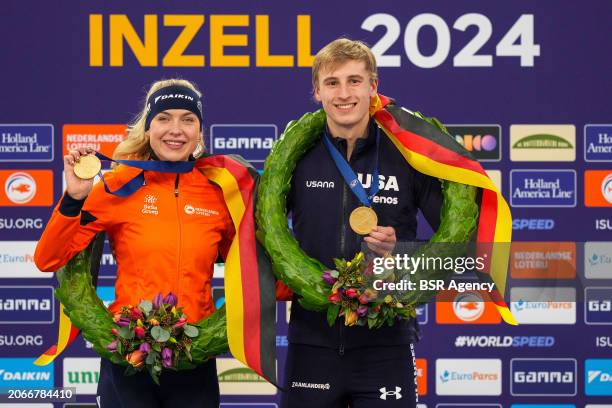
(248, 262)
(426, 147)
(488, 216)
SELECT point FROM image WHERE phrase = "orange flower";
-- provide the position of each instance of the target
(350, 318)
(135, 358)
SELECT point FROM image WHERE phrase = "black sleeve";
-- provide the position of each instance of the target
(69, 207)
(429, 198)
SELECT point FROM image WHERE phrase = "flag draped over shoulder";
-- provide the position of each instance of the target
(249, 282)
(432, 152)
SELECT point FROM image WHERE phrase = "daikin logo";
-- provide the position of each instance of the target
(598, 377)
(21, 373)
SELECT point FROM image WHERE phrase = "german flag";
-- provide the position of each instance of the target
(249, 282)
(432, 152)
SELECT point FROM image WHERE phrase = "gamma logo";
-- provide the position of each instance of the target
(553, 143)
(253, 142)
(26, 305)
(598, 377)
(543, 377)
(598, 309)
(483, 141)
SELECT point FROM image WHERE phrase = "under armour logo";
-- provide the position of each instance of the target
(384, 393)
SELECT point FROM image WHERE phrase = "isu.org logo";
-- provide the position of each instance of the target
(20, 188)
(469, 306)
(606, 188)
(384, 394)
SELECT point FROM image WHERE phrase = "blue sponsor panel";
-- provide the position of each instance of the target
(598, 143)
(543, 188)
(543, 406)
(252, 142)
(466, 405)
(106, 294)
(598, 308)
(422, 314)
(26, 305)
(543, 377)
(108, 265)
(21, 373)
(598, 376)
(26, 143)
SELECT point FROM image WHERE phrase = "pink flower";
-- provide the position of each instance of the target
(335, 297)
(136, 313)
(328, 278)
(170, 299)
(145, 348)
(181, 322)
(114, 331)
(139, 332)
(166, 355)
(362, 311)
(351, 292)
(112, 346)
(157, 301)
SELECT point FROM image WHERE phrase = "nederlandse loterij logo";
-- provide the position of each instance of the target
(20, 188)
(542, 143)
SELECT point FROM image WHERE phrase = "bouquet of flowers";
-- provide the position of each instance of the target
(353, 296)
(152, 335)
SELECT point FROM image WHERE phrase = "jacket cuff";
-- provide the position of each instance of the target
(69, 207)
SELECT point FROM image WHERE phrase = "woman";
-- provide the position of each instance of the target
(166, 237)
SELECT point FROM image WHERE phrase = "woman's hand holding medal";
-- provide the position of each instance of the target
(80, 168)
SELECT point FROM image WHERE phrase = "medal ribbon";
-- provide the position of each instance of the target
(349, 175)
(153, 165)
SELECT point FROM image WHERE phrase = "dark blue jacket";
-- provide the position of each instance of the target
(320, 203)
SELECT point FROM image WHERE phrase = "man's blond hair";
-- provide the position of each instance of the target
(340, 51)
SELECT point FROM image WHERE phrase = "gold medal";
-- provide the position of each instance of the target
(363, 220)
(87, 167)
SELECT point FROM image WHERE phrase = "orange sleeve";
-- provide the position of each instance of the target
(282, 291)
(64, 237)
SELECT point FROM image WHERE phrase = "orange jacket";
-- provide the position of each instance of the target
(166, 237)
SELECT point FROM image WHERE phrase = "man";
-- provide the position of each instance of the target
(337, 366)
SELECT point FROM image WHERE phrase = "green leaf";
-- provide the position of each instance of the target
(146, 306)
(151, 357)
(334, 274)
(125, 332)
(332, 314)
(371, 323)
(160, 335)
(156, 347)
(190, 331)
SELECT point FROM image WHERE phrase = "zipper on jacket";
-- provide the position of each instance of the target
(180, 234)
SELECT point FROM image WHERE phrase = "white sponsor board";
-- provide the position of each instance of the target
(17, 260)
(543, 305)
(82, 373)
(462, 376)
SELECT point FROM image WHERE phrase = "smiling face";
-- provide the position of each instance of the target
(345, 92)
(174, 134)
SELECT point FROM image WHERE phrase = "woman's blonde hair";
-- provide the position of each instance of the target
(136, 146)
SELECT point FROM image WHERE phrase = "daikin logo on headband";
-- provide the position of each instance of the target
(179, 96)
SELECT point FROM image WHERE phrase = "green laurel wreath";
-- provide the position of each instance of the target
(87, 312)
(458, 217)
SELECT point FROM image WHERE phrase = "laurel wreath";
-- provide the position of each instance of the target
(458, 217)
(87, 312)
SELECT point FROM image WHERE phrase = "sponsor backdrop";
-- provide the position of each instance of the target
(523, 86)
